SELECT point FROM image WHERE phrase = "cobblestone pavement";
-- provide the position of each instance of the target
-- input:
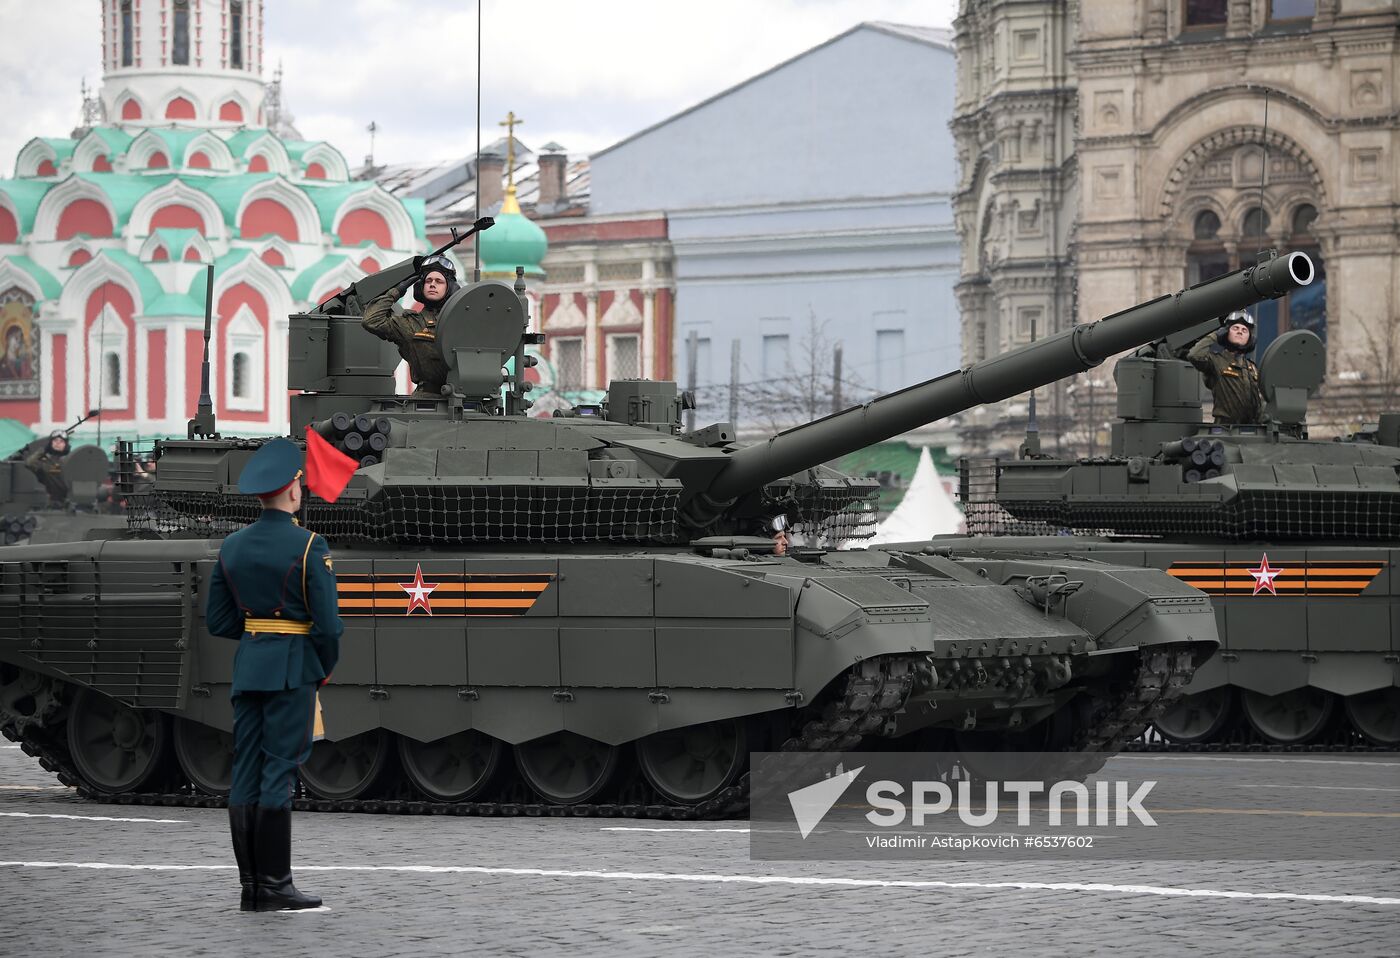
(429, 886)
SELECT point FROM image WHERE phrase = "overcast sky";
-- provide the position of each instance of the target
(585, 74)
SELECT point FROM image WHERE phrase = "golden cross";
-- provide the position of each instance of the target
(510, 123)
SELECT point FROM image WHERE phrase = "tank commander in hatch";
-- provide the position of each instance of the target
(1233, 379)
(415, 334)
(47, 465)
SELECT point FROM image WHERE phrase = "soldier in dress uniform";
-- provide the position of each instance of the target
(1233, 379)
(273, 589)
(415, 334)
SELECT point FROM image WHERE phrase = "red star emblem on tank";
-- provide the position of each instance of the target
(1264, 576)
(418, 592)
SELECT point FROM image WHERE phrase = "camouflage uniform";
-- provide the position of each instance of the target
(47, 466)
(1232, 378)
(415, 334)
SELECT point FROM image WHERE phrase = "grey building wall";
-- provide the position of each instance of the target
(810, 202)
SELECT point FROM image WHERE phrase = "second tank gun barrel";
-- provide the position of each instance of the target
(1001, 377)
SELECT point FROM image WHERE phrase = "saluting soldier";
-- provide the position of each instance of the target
(273, 589)
(415, 334)
(47, 465)
(1233, 379)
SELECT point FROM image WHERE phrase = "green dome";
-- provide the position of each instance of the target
(513, 241)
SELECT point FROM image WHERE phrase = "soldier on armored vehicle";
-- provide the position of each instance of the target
(415, 334)
(47, 465)
(1222, 357)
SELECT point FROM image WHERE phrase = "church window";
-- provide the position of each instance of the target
(177, 216)
(131, 110)
(315, 171)
(1207, 225)
(111, 375)
(79, 257)
(192, 254)
(568, 363)
(199, 160)
(257, 164)
(243, 370)
(361, 226)
(231, 112)
(1205, 13)
(235, 35)
(1206, 257)
(264, 216)
(1292, 9)
(102, 164)
(179, 109)
(9, 227)
(1255, 224)
(625, 357)
(158, 161)
(160, 255)
(1303, 218)
(180, 47)
(240, 375)
(370, 265)
(126, 33)
(85, 216)
(273, 257)
(46, 168)
(107, 347)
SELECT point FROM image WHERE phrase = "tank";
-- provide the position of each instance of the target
(1295, 539)
(586, 614)
(76, 506)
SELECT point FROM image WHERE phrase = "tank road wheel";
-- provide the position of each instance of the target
(115, 747)
(565, 768)
(205, 755)
(689, 765)
(1376, 715)
(350, 768)
(1291, 718)
(1198, 718)
(456, 768)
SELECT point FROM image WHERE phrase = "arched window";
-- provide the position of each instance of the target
(180, 46)
(111, 375)
(9, 229)
(127, 42)
(235, 39)
(240, 386)
(160, 255)
(131, 110)
(361, 225)
(79, 257)
(177, 217)
(369, 264)
(1206, 257)
(158, 161)
(1303, 218)
(199, 160)
(107, 344)
(191, 254)
(231, 112)
(102, 164)
(273, 257)
(315, 171)
(1255, 223)
(179, 109)
(46, 168)
(265, 216)
(257, 164)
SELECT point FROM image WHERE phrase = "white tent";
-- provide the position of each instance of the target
(926, 510)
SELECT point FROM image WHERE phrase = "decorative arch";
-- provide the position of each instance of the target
(9, 224)
(566, 315)
(244, 365)
(1227, 138)
(331, 161)
(90, 277)
(276, 252)
(197, 245)
(12, 276)
(233, 109)
(74, 206)
(32, 156)
(142, 149)
(131, 108)
(375, 200)
(315, 171)
(214, 149)
(252, 283)
(90, 150)
(276, 206)
(181, 105)
(273, 155)
(146, 214)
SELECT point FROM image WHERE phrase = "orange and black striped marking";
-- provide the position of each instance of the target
(1280, 578)
(443, 594)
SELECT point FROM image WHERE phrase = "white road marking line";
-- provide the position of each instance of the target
(35, 788)
(809, 880)
(95, 818)
(1330, 788)
(9, 746)
(1223, 757)
(303, 911)
(717, 831)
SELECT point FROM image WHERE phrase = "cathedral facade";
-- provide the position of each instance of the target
(184, 159)
(1110, 152)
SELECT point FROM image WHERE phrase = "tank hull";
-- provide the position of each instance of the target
(467, 678)
(1310, 635)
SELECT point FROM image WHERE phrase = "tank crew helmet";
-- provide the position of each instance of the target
(271, 469)
(1238, 318)
(58, 443)
(436, 264)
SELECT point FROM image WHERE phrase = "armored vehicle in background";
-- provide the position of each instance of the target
(587, 611)
(65, 509)
(1296, 540)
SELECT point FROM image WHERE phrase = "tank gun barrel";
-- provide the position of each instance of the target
(1001, 377)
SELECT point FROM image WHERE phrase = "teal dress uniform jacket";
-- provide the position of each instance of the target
(272, 573)
(274, 569)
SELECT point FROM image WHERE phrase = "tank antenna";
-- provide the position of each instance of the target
(203, 424)
(101, 362)
(1263, 176)
(476, 243)
(1031, 447)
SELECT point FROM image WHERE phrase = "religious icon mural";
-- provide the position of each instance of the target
(19, 366)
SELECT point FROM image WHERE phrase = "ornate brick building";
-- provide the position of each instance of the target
(104, 234)
(1111, 151)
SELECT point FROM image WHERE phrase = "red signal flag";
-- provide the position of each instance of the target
(328, 470)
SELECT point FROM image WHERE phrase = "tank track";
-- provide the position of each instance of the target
(875, 690)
